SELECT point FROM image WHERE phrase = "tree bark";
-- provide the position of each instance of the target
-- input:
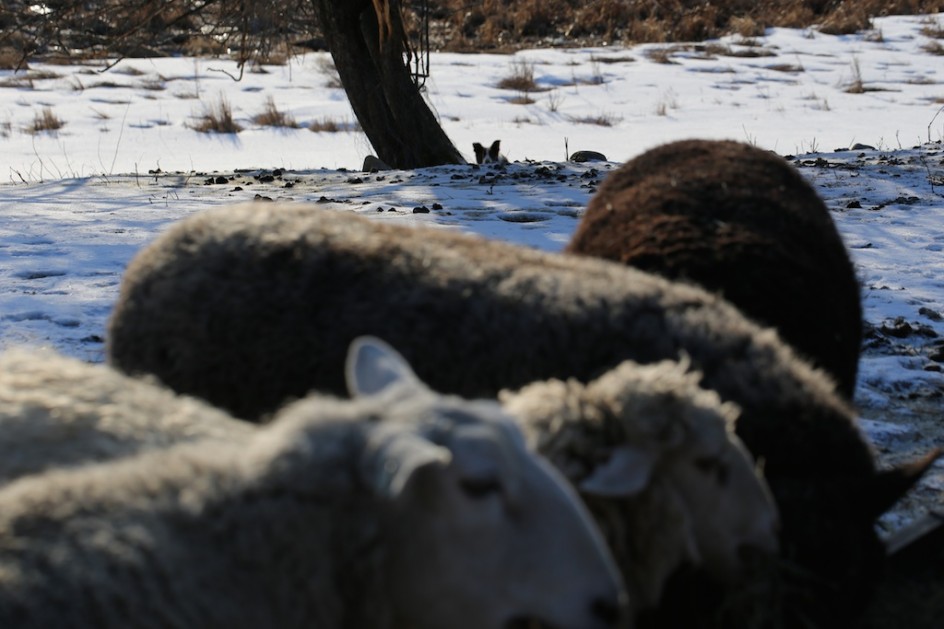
(368, 54)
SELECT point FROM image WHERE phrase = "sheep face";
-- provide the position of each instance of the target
(656, 460)
(734, 513)
(481, 532)
(687, 436)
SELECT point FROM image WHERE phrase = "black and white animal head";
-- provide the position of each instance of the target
(481, 533)
(490, 155)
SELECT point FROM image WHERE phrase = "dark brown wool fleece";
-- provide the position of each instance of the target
(742, 222)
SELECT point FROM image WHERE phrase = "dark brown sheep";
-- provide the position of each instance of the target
(742, 222)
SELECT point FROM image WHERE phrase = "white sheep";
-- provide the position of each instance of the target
(56, 411)
(402, 508)
(689, 491)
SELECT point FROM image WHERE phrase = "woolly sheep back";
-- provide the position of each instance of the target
(57, 411)
(740, 221)
(249, 305)
(297, 523)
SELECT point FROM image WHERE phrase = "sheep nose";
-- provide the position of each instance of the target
(608, 610)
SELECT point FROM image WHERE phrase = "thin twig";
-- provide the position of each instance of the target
(932, 122)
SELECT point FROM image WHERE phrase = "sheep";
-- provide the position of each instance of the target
(57, 411)
(690, 494)
(250, 305)
(741, 221)
(70, 413)
(401, 508)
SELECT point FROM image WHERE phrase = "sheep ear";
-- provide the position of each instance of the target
(892, 484)
(373, 366)
(625, 474)
(393, 463)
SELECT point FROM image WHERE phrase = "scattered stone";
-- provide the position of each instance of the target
(523, 217)
(372, 163)
(899, 328)
(853, 205)
(422, 209)
(587, 156)
(933, 315)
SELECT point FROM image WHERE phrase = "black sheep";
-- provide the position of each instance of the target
(742, 222)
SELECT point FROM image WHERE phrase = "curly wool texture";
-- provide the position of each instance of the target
(740, 221)
(219, 518)
(250, 305)
(659, 408)
(659, 405)
(126, 505)
(57, 411)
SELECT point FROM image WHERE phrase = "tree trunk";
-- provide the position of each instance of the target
(368, 54)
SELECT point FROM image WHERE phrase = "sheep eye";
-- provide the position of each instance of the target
(714, 467)
(480, 487)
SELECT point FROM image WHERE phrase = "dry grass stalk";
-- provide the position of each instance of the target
(45, 121)
(660, 54)
(272, 117)
(932, 28)
(11, 59)
(217, 119)
(857, 86)
(602, 120)
(933, 47)
(331, 125)
(510, 24)
(521, 78)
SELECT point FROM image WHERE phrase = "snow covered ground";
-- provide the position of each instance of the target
(77, 203)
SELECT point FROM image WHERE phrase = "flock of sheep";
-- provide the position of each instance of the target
(310, 418)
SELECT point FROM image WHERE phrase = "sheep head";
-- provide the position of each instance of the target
(657, 462)
(481, 533)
